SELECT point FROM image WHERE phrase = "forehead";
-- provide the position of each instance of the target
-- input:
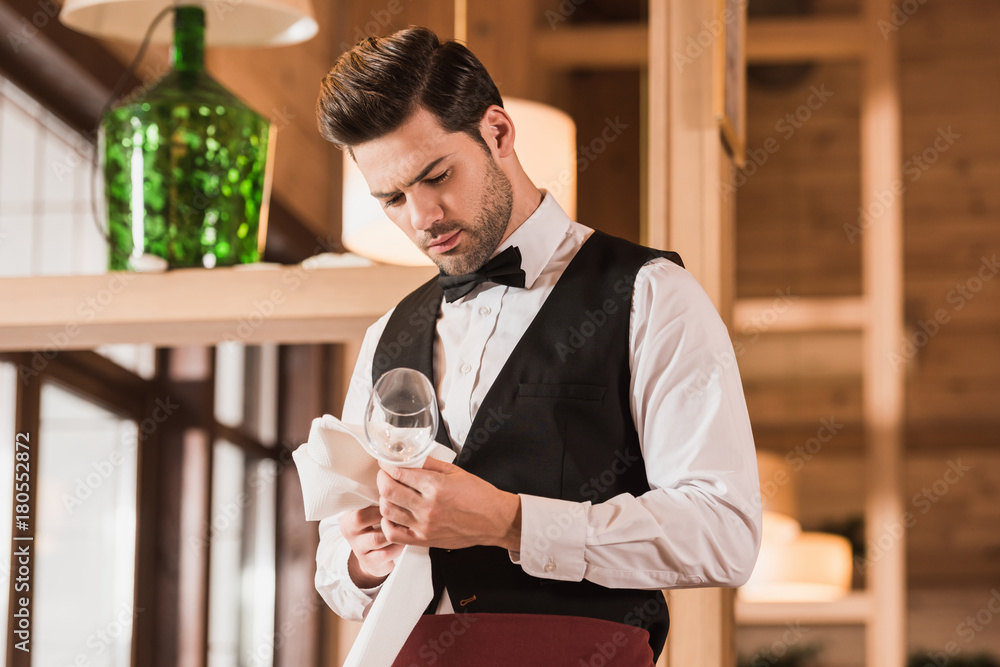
(394, 159)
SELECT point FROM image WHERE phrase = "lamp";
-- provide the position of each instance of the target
(779, 504)
(545, 142)
(793, 566)
(813, 567)
(187, 164)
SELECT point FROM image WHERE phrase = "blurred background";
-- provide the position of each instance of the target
(847, 229)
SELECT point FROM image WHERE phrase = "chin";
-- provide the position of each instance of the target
(453, 265)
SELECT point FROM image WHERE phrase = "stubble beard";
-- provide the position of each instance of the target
(482, 238)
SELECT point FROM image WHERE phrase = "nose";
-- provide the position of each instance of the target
(425, 210)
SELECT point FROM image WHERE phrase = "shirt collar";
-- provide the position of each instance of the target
(538, 237)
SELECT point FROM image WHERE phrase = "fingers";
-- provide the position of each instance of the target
(425, 481)
(356, 522)
(399, 534)
(374, 566)
(380, 562)
(369, 541)
(396, 514)
(393, 491)
(375, 553)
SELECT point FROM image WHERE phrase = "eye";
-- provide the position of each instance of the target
(395, 201)
(440, 179)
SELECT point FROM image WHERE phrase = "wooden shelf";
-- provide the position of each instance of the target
(807, 314)
(791, 40)
(593, 47)
(768, 41)
(854, 609)
(290, 304)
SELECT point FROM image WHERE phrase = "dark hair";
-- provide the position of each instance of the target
(375, 87)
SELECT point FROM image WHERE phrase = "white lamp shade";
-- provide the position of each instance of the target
(545, 143)
(778, 497)
(814, 567)
(777, 484)
(227, 22)
(777, 527)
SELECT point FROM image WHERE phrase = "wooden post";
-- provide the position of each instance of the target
(882, 275)
(687, 214)
(183, 500)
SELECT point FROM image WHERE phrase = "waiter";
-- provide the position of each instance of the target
(604, 446)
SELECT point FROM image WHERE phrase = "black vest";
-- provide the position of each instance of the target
(556, 423)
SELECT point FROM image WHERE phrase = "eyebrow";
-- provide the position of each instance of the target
(423, 173)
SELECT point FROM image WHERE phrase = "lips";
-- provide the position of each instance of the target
(446, 242)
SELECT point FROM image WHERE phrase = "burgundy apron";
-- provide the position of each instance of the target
(523, 640)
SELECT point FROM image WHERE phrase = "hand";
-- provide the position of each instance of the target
(442, 505)
(372, 555)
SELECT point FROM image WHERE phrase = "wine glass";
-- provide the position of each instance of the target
(401, 419)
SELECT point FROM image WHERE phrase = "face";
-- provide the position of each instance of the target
(442, 189)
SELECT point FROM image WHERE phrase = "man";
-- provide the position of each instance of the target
(605, 450)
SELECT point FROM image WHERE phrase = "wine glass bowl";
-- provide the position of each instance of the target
(401, 419)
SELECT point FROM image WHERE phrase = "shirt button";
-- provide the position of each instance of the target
(550, 566)
(485, 310)
(466, 368)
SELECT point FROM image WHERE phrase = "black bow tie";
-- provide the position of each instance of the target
(504, 269)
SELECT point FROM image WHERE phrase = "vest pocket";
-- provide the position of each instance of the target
(580, 392)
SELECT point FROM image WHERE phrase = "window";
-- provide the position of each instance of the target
(46, 224)
(243, 512)
(85, 532)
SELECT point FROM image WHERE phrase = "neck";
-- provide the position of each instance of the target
(189, 39)
(527, 198)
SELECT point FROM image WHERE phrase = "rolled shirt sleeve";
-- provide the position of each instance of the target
(333, 582)
(699, 525)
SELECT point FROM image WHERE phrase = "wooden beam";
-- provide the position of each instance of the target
(686, 158)
(200, 306)
(801, 314)
(702, 628)
(795, 40)
(496, 30)
(884, 383)
(190, 373)
(656, 152)
(70, 73)
(593, 47)
(298, 607)
(23, 548)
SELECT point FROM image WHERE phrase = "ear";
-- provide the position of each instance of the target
(497, 129)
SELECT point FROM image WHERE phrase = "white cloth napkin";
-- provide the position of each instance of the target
(337, 473)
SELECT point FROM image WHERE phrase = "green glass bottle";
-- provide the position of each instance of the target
(185, 166)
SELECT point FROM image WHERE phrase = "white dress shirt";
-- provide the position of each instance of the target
(699, 525)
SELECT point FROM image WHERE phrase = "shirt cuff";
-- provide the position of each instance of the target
(553, 538)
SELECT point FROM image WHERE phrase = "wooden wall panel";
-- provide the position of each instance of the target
(800, 186)
(608, 182)
(803, 400)
(496, 30)
(951, 216)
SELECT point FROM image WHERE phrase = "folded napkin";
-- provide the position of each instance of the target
(337, 474)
